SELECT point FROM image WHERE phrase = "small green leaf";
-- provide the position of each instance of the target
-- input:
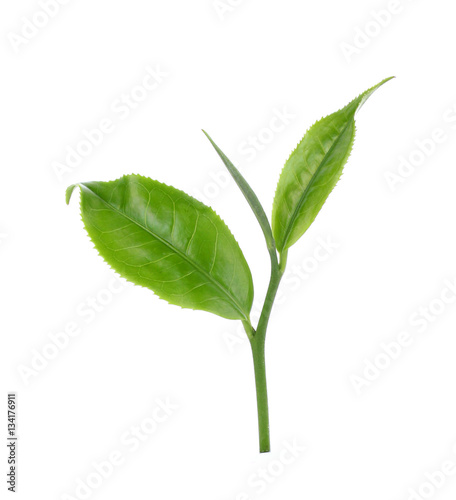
(312, 171)
(249, 195)
(161, 238)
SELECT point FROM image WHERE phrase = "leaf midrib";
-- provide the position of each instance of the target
(301, 200)
(177, 251)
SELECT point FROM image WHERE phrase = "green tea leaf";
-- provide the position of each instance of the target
(312, 171)
(161, 238)
(249, 195)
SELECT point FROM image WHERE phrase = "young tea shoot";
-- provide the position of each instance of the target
(159, 237)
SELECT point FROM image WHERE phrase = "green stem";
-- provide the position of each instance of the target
(257, 338)
(261, 393)
(257, 343)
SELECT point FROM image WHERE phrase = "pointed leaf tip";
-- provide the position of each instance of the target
(312, 171)
(361, 99)
(69, 192)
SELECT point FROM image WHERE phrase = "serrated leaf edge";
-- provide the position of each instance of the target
(69, 192)
(362, 99)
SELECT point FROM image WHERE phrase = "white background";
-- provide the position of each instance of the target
(229, 71)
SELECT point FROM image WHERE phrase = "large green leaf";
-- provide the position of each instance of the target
(161, 238)
(312, 171)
